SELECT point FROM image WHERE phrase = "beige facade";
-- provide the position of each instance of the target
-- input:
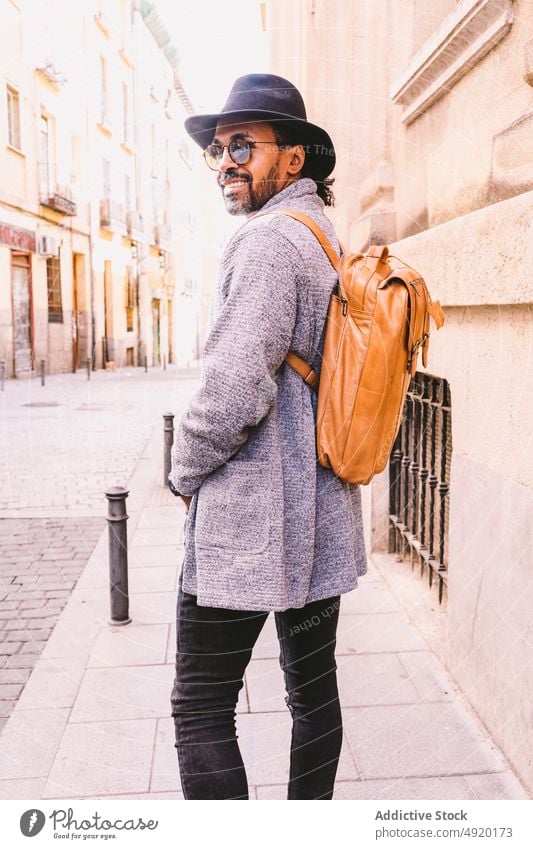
(430, 105)
(44, 235)
(97, 215)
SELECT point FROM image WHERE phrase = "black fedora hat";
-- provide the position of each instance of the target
(266, 97)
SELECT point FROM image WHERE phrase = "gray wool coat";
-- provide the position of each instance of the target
(268, 528)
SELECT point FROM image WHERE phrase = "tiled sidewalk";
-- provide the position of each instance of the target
(40, 562)
(93, 720)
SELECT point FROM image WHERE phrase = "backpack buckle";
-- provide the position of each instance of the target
(414, 350)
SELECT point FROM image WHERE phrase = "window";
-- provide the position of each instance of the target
(44, 157)
(137, 182)
(155, 201)
(103, 90)
(130, 302)
(53, 279)
(106, 178)
(75, 159)
(153, 150)
(166, 205)
(136, 128)
(125, 114)
(13, 117)
(127, 191)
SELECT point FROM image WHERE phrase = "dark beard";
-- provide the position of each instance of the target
(255, 195)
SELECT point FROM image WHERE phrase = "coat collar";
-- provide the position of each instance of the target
(303, 189)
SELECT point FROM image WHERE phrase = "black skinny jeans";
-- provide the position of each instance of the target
(214, 646)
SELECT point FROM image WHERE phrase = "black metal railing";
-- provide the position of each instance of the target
(420, 479)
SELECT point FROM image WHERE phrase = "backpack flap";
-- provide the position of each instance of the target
(355, 276)
(420, 308)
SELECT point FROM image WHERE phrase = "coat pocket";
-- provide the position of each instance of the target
(233, 509)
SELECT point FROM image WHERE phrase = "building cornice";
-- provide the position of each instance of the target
(462, 39)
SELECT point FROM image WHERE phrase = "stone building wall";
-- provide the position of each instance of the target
(430, 105)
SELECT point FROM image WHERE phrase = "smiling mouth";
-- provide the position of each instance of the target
(233, 184)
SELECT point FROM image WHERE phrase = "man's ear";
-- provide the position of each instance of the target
(297, 160)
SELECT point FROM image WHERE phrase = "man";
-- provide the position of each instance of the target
(268, 528)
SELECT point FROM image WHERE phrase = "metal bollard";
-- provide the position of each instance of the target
(118, 555)
(42, 372)
(145, 363)
(88, 368)
(2, 374)
(168, 442)
(164, 363)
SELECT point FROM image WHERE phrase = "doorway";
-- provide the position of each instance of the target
(170, 332)
(156, 331)
(107, 344)
(22, 329)
(75, 311)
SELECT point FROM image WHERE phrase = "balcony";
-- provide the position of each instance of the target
(134, 224)
(51, 74)
(103, 23)
(60, 201)
(162, 236)
(112, 216)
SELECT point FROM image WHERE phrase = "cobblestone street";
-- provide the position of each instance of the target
(62, 445)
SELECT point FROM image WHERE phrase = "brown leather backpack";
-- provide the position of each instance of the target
(377, 321)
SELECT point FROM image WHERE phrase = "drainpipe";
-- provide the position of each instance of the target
(138, 304)
(91, 240)
(93, 316)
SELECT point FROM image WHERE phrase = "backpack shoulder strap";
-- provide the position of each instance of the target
(303, 368)
(319, 234)
(292, 359)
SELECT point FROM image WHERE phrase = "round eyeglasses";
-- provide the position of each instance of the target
(239, 150)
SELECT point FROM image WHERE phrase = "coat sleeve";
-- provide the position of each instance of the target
(247, 343)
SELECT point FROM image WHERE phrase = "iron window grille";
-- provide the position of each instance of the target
(420, 480)
(55, 304)
(129, 302)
